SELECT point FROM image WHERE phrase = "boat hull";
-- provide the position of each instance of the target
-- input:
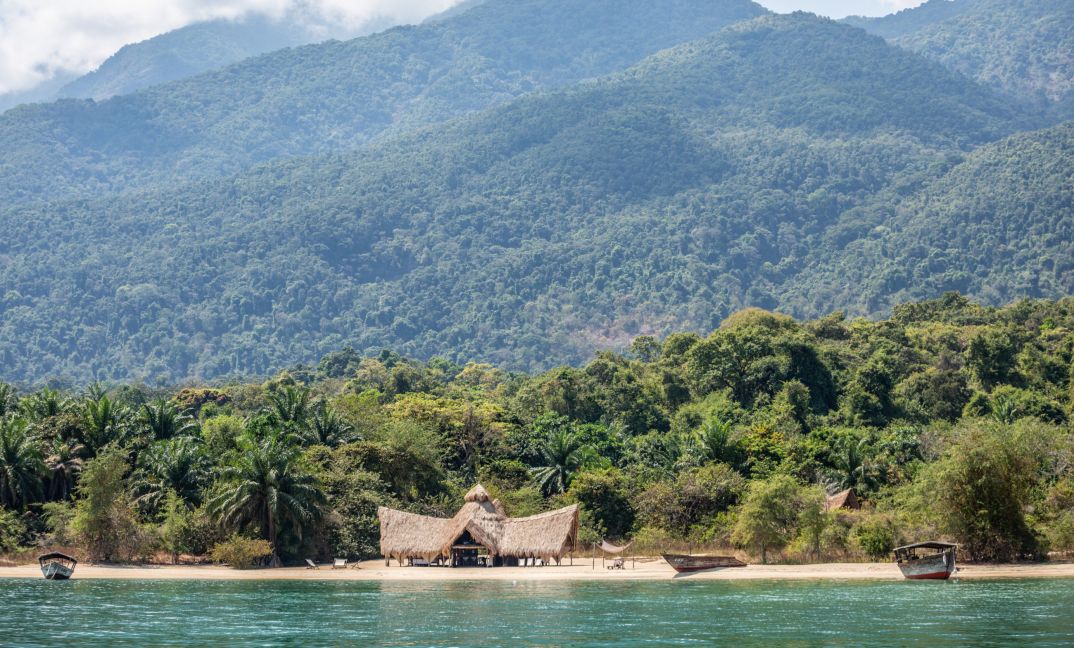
(55, 571)
(936, 567)
(684, 563)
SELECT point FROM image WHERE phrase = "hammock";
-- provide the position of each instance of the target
(608, 547)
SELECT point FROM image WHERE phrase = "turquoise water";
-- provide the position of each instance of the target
(480, 614)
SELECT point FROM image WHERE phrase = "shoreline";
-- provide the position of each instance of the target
(582, 570)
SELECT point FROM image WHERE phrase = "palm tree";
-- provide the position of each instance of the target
(327, 427)
(103, 421)
(714, 440)
(21, 468)
(290, 407)
(9, 402)
(177, 465)
(43, 404)
(63, 463)
(850, 461)
(563, 455)
(264, 487)
(161, 420)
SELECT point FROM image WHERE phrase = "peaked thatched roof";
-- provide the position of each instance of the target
(548, 535)
(842, 500)
(477, 494)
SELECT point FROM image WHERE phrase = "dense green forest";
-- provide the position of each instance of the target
(950, 419)
(706, 179)
(1022, 47)
(996, 226)
(336, 95)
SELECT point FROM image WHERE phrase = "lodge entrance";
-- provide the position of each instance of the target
(467, 552)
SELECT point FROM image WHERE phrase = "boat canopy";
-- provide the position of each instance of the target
(932, 544)
(57, 556)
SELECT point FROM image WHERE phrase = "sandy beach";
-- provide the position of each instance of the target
(582, 570)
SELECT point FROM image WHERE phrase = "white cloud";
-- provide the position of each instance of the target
(40, 39)
(841, 8)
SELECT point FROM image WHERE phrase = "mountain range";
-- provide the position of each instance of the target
(523, 182)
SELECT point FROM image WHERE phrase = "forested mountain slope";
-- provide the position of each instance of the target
(667, 196)
(336, 95)
(183, 53)
(998, 226)
(909, 21)
(1023, 47)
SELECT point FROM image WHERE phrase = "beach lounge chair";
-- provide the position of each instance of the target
(339, 563)
(310, 564)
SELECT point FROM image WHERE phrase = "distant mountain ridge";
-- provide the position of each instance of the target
(183, 53)
(911, 20)
(186, 52)
(337, 95)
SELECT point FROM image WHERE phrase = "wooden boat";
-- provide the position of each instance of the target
(57, 566)
(687, 563)
(926, 560)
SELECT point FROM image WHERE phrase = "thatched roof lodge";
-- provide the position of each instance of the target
(480, 527)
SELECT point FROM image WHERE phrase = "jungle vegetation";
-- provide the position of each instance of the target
(950, 419)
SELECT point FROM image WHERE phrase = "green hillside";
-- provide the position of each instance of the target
(701, 181)
(336, 95)
(998, 226)
(183, 53)
(1022, 47)
(909, 21)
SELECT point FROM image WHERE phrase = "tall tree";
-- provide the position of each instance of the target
(563, 455)
(43, 404)
(265, 487)
(176, 466)
(63, 463)
(289, 407)
(768, 516)
(103, 421)
(162, 420)
(327, 427)
(21, 467)
(9, 402)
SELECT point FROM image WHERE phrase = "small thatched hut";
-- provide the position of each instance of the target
(480, 533)
(843, 500)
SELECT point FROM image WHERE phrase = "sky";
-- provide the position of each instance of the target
(43, 39)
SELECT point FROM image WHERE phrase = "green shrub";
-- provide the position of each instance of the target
(240, 552)
(875, 537)
(12, 531)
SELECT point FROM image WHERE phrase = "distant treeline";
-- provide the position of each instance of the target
(949, 419)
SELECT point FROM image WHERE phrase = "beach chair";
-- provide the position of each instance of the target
(310, 564)
(339, 563)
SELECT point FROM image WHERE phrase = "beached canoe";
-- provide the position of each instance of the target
(687, 563)
(926, 560)
(57, 566)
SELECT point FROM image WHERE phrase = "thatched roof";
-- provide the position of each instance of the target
(842, 500)
(548, 535)
(409, 534)
(477, 494)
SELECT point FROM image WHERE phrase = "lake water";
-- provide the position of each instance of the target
(481, 614)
